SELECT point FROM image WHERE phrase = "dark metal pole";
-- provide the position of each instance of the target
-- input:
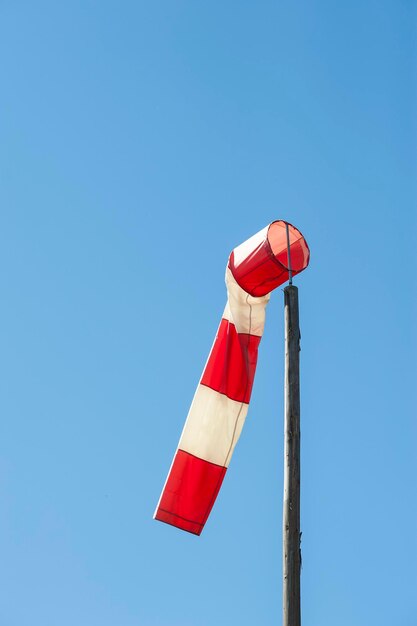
(291, 511)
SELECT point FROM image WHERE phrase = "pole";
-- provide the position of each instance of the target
(291, 510)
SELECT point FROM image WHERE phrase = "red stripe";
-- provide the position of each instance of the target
(190, 492)
(260, 273)
(232, 362)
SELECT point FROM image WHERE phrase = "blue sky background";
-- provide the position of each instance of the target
(139, 143)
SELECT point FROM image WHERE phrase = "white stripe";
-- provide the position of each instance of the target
(246, 312)
(213, 426)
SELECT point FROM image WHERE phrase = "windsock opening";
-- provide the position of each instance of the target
(260, 264)
(299, 251)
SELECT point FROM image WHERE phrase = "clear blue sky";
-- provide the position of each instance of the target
(139, 143)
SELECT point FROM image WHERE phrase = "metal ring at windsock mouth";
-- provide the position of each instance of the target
(299, 250)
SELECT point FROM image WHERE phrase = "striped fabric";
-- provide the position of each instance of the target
(220, 404)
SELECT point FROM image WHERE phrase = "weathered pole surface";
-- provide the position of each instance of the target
(291, 511)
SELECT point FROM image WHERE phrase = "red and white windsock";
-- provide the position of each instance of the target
(221, 401)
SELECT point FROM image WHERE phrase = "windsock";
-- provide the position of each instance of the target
(221, 401)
